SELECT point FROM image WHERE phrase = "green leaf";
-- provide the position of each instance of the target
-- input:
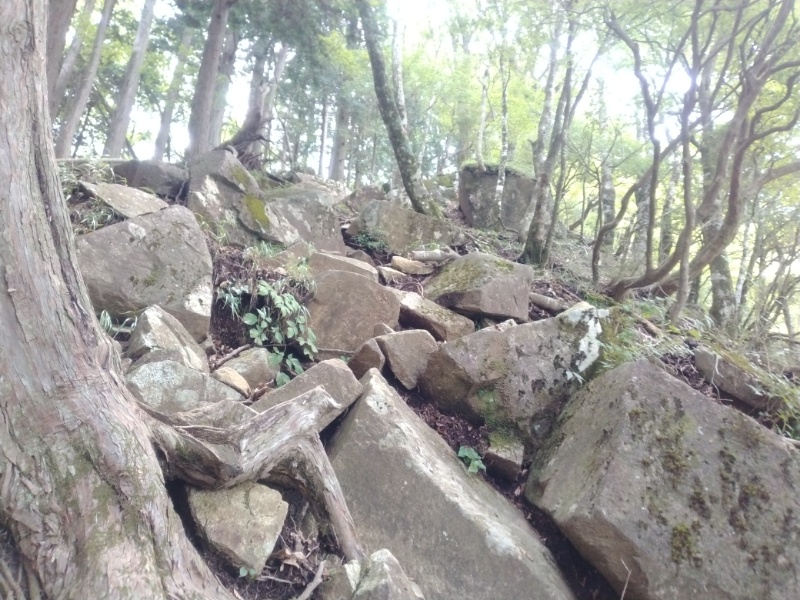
(250, 319)
(281, 379)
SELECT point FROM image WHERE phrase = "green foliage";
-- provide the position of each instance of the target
(250, 573)
(371, 241)
(471, 458)
(276, 320)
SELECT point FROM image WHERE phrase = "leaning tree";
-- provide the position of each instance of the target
(82, 465)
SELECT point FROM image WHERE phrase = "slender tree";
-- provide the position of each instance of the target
(118, 128)
(406, 161)
(203, 100)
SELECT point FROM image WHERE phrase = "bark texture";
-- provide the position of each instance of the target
(59, 16)
(173, 93)
(82, 487)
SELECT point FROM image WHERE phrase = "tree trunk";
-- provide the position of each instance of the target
(397, 74)
(406, 161)
(203, 100)
(227, 62)
(72, 115)
(608, 198)
(173, 93)
(83, 492)
(67, 70)
(339, 145)
(482, 122)
(505, 77)
(323, 134)
(59, 16)
(118, 129)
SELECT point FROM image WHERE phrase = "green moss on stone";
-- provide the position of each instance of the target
(255, 207)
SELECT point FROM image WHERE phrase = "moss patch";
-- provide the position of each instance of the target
(256, 208)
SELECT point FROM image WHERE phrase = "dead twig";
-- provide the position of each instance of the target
(314, 583)
(232, 354)
(551, 305)
(627, 579)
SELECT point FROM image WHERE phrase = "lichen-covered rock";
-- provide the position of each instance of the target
(518, 377)
(407, 492)
(741, 382)
(672, 493)
(442, 323)
(159, 258)
(504, 457)
(170, 387)
(160, 336)
(384, 579)
(232, 379)
(241, 523)
(401, 229)
(345, 309)
(480, 284)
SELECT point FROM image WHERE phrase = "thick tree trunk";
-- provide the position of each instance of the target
(83, 491)
(173, 93)
(59, 16)
(118, 128)
(203, 100)
(67, 69)
(406, 161)
(76, 108)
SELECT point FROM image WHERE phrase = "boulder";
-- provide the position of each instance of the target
(255, 366)
(384, 579)
(232, 379)
(442, 323)
(390, 275)
(126, 202)
(672, 494)
(407, 354)
(345, 309)
(741, 382)
(476, 198)
(241, 523)
(160, 336)
(163, 179)
(455, 536)
(480, 285)
(518, 377)
(169, 387)
(321, 262)
(369, 356)
(402, 229)
(360, 255)
(333, 375)
(223, 194)
(504, 457)
(411, 267)
(356, 201)
(159, 258)
(294, 214)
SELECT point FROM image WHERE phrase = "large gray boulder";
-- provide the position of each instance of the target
(517, 377)
(170, 387)
(322, 261)
(160, 336)
(455, 536)
(345, 309)
(476, 198)
(673, 493)
(159, 258)
(482, 285)
(402, 229)
(407, 354)
(256, 366)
